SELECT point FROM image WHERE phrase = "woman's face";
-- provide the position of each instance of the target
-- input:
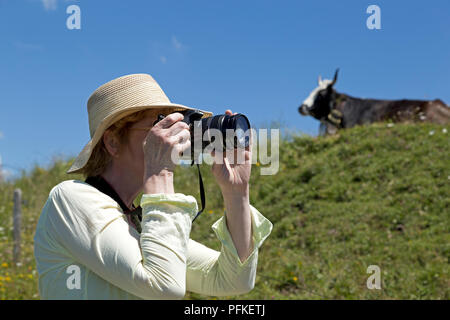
(132, 155)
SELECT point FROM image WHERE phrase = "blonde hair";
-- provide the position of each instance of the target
(100, 158)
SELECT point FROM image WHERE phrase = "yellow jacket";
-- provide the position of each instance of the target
(85, 249)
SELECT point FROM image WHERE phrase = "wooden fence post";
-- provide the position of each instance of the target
(17, 221)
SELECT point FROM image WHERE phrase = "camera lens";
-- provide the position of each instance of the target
(233, 129)
(241, 126)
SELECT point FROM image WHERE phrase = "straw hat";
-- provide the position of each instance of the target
(117, 99)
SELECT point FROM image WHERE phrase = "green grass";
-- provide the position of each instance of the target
(373, 195)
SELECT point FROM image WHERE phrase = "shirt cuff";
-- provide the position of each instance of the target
(169, 203)
(261, 228)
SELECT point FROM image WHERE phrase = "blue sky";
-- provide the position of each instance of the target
(261, 58)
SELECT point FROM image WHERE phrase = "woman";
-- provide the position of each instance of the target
(90, 241)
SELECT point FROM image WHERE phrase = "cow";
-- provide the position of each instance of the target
(336, 110)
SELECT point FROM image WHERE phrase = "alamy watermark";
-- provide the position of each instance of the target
(74, 280)
(373, 22)
(374, 280)
(74, 20)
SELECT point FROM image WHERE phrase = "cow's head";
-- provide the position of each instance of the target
(318, 104)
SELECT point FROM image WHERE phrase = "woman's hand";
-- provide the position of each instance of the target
(168, 137)
(233, 174)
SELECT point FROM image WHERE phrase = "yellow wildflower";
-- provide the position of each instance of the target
(295, 279)
(4, 265)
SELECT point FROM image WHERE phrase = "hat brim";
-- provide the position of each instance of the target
(83, 157)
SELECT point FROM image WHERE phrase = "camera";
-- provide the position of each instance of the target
(231, 130)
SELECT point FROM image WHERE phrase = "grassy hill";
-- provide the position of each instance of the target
(373, 195)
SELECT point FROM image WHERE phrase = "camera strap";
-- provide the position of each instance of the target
(202, 191)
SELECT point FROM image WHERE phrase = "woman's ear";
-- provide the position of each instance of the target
(111, 143)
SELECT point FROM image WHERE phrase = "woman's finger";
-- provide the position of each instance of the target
(182, 136)
(177, 128)
(169, 120)
(183, 146)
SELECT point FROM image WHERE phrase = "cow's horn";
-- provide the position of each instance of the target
(335, 76)
(319, 79)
